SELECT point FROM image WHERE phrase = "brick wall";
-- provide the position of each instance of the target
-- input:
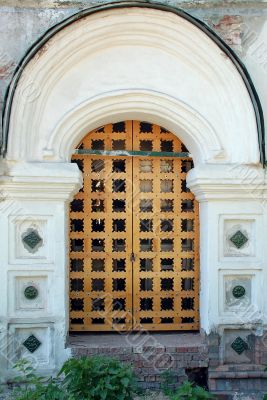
(227, 381)
(150, 362)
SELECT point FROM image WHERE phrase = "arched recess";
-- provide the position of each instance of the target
(151, 62)
(125, 60)
(153, 106)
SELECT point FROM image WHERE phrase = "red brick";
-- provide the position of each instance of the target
(212, 384)
(181, 349)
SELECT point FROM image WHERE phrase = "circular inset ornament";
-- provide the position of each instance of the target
(239, 291)
(31, 292)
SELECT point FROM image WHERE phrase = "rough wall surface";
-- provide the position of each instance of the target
(242, 24)
(42, 195)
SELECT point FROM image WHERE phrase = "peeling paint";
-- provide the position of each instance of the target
(7, 70)
(228, 27)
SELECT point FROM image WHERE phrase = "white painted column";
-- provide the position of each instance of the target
(34, 262)
(232, 201)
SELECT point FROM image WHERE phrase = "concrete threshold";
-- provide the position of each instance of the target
(107, 340)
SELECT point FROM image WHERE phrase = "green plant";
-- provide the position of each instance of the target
(168, 382)
(95, 378)
(98, 378)
(190, 392)
(33, 387)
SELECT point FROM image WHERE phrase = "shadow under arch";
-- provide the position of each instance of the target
(194, 130)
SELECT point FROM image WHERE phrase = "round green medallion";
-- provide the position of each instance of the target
(31, 292)
(239, 291)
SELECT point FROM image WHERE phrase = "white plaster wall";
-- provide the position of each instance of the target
(133, 50)
(231, 199)
(38, 202)
(121, 71)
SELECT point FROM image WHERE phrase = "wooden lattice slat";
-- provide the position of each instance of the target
(134, 261)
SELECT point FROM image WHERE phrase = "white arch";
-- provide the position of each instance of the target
(194, 130)
(133, 63)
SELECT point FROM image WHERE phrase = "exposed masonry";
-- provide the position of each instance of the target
(248, 380)
(182, 359)
(150, 356)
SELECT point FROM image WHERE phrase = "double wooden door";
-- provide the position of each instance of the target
(134, 261)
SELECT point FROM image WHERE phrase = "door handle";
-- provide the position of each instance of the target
(132, 257)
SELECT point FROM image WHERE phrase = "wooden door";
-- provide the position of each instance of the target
(134, 260)
(165, 235)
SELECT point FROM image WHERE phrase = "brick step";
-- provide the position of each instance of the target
(149, 354)
(247, 381)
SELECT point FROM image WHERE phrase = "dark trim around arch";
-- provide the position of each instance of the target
(126, 4)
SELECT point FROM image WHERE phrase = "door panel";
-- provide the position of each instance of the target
(101, 291)
(165, 235)
(134, 261)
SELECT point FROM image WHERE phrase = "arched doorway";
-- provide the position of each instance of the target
(134, 61)
(134, 260)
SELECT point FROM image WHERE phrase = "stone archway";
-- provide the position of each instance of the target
(126, 52)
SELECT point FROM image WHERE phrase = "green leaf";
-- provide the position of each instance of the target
(190, 392)
(125, 381)
(86, 378)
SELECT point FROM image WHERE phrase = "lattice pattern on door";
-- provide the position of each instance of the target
(134, 259)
